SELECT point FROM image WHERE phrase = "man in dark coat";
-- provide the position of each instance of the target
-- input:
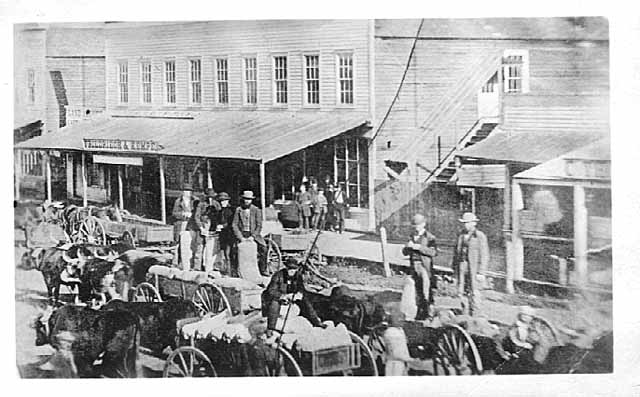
(226, 236)
(247, 224)
(421, 250)
(286, 286)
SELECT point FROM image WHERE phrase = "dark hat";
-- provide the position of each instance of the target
(223, 196)
(247, 194)
(210, 192)
(291, 263)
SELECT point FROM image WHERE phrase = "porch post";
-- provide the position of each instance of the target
(84, 182)
(515, 255)
(263, 199)
(47, 161)
(163, 203)
(580, 238)
(17, 174)
(209, 178)
(120, 188)
(372, 181)
(69, 171)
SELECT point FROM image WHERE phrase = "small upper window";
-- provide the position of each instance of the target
(123, 82)
(312, 79)
(195, 81)
(280, 79)
(222, 81)
(146, 82)
(345, 79)
(31, 85)
(515, 71)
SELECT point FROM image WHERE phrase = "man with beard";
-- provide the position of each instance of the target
(247, 225)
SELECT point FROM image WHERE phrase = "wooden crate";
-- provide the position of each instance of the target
(334, 359)
(243, 300)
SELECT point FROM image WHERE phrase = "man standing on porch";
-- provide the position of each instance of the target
(247, 225)
(182, 209)
(471, 259)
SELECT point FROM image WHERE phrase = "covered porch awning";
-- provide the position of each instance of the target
(249, 135)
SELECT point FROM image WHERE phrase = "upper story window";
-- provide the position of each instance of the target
(345, 79)
(222, 81)
(195, 81)
(123, 82)
(145, 78)
(250, 81)
(312, 79)
(515, 71)
(280, 79)
(31, 85)
(170, 82)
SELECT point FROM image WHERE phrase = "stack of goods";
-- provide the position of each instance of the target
(217, 327)
(236, 283)
(324, 338)
(192, 276)
(163, 271)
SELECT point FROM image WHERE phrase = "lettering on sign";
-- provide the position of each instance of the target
(589, 169)
(121, 145)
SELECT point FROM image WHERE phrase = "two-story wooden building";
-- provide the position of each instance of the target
(59, 79)
(232, 105)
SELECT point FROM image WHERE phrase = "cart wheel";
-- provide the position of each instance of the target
(274, 256)
(188, 362)
(128, 238)
(284, 364)
(368, 365)
(376, 345)
(315, 256)
(91, 231)
(546, 329)
(209, 299)
(146, 292)
(456, 353)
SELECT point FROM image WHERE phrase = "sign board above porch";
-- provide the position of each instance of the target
(487, 175)
(121, 145)
(120, 160)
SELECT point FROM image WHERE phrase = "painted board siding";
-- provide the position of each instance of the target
(29, 53)
(559, 72)
(234, 40)
(75, 42)
(82, 85)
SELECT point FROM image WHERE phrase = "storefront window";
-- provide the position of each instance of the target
(352, 169)
(548, 210)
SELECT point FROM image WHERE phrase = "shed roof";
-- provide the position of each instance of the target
(555, 169)
(251, 135)
(549, 28)
(528, 147)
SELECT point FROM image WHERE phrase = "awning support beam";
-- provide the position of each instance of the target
(47, 160)
(209, 178)
(17, 174)
(163, 203)
(84, 181)
(263, 191)
(120, 188)
(580, 238)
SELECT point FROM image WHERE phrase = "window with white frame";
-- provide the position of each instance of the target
(170, 82)
(312, 79)
(345, 79)
(280, 79)
(222, 81)
(195, 81)
(31, 85)
(145, 78)
(123, 82)
(250, 81)
(515, 71)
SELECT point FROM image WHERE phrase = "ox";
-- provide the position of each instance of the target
(83, 336)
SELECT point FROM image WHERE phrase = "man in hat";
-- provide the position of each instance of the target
(421, 250)
(287, 287)
(226, 235)
(207, 218)
(470, 260)
(339, 206)
(182, 209)
(247, 225)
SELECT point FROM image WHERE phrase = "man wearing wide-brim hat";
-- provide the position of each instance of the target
(470, 260)
(247, 225)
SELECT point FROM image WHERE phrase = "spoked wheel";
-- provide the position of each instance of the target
(368, 366)
(188, 362)
(210, 300)
(274, 256)
(378, 349)
(456, 353)
(146, 292)
(127, 238)
(545, 329)
(284, 364)
(92, 231)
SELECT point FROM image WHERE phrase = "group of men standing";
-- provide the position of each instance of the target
(318, 207)
(208, 226)
(470, 261)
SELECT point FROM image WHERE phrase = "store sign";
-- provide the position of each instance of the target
(588, 169)
(486, 175)
(121, 145)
